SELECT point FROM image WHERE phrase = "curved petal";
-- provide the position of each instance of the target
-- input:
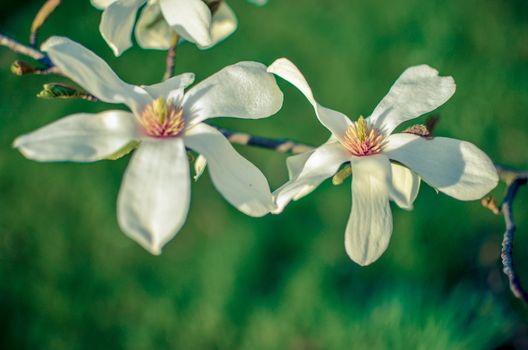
(80, 137)
(117, 23)
(102, 4)
(189, 18)
(242, 90)
(224, 23)
(164, 88)
(295, 164)
(455, 167)
(369, 227)
(417, 91)
(155, 194)
(405, 186)
(93, 74)
(240, 182)
(334, 121)
(152, 30)
(319, 166)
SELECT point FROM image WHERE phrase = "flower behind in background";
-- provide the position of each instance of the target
(155, 192)
(200, 22)
(457, 168)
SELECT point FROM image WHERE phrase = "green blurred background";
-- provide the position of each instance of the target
(69, 279)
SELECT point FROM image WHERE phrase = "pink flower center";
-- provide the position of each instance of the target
(362, 139)
(162, 119)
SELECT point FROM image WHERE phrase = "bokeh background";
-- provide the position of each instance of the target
(69, 279)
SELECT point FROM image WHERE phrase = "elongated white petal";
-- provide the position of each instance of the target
(334, 121)
(223, 24)
(164, 88)
(455, 167)
(311, 172)
(154, 197)
(405, 186)
(242, 90)
(80, 137)
(152, 30)
(189, 18)
(417, 91)
(240, 182)
(93, 74)
(369, 227)
(102, 4)
(117, 23)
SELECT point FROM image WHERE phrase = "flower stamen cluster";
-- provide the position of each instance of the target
(162, 119)
(362, 139)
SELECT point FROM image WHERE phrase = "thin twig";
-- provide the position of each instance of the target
(507, 243)
(278, 145)
(22, 49)
(45, 11)
(171, 56)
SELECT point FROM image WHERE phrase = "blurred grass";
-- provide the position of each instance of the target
(70, 280)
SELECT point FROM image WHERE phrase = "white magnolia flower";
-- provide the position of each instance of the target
(386, 165)
(155, 192)
(197, 21)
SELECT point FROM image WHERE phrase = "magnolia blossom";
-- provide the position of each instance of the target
(155, 193)
(386, 165)
(204, 23)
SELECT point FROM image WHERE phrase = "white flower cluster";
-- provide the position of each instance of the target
(170, 118)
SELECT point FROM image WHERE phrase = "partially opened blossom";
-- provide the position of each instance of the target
(204, 23)
(155, 192)
(386, 165)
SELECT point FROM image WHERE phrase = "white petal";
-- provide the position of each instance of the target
(242, 90)
(417, 91)
(455, 167)
(405, 186)
(152, 30)
(334, 121)
(155, 194)
(93, 74)
(102, 4)
(320, 165)
(80, 137)
(369, 227)
(224, 23)
(163, 89)
(240, 182)
(295, 164)
(189, 18)
(117, 23)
